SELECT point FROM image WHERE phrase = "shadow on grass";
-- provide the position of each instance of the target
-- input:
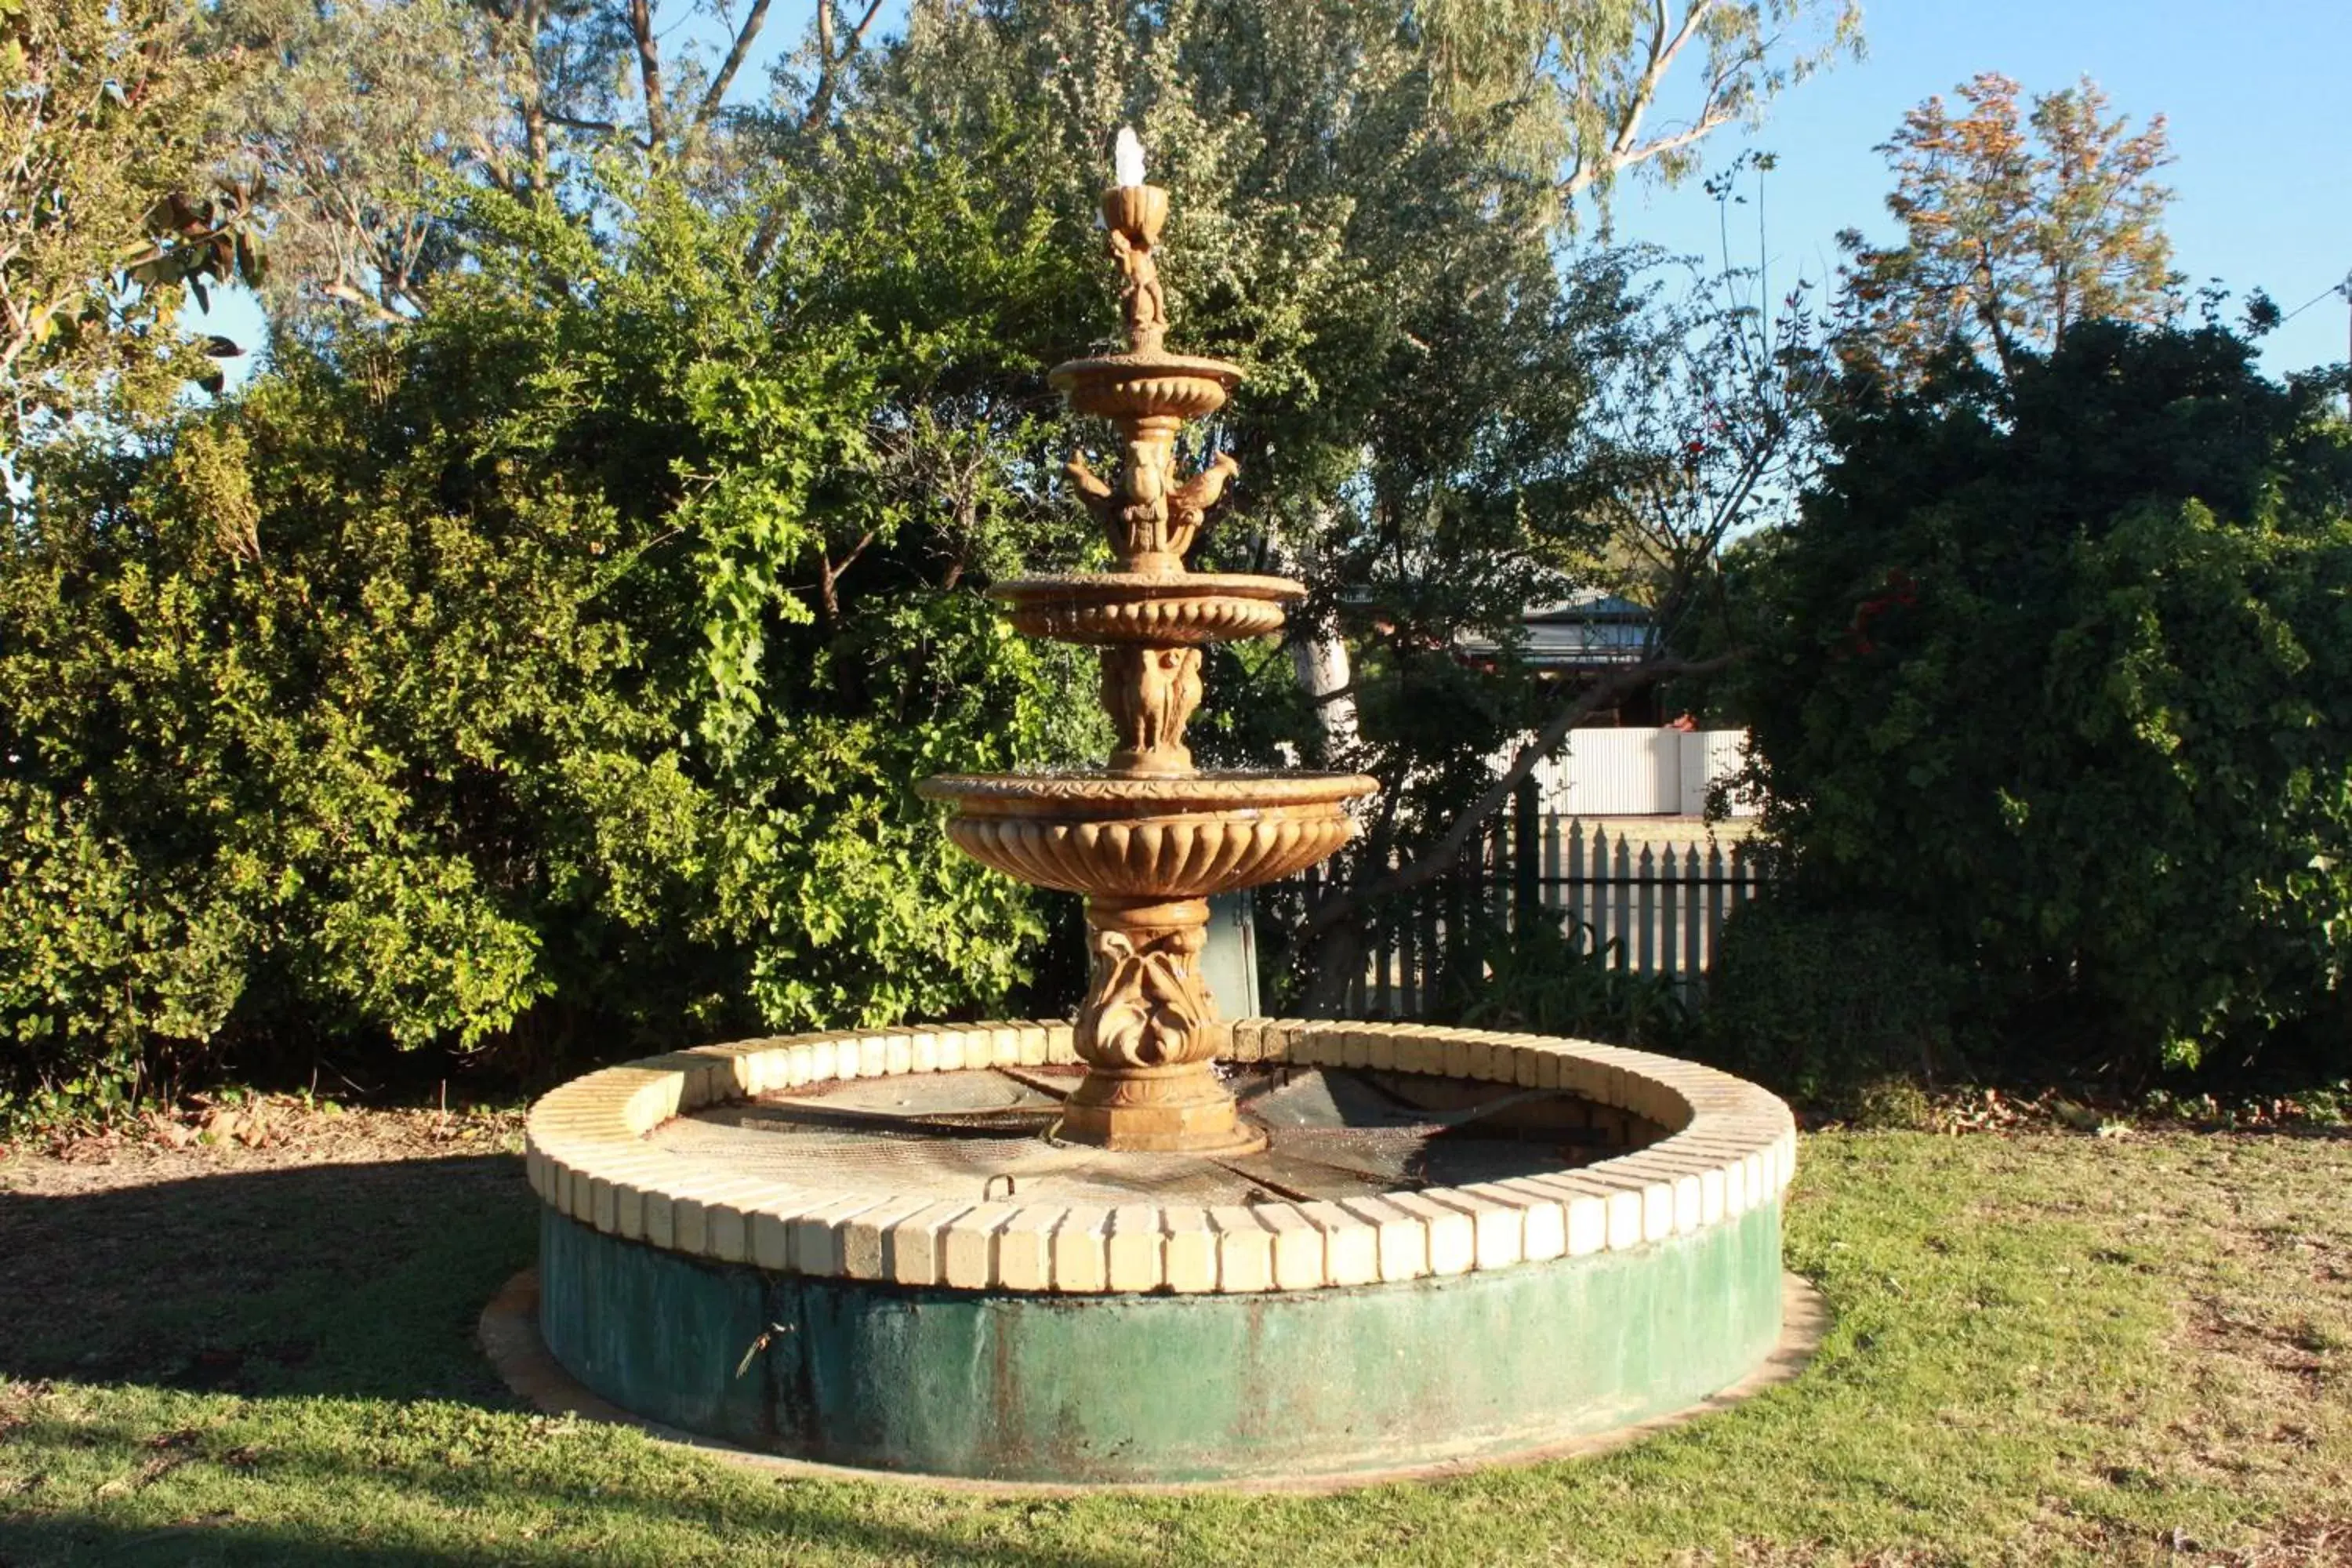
(358, 1286)
(353, 1280)
(67, 1539)
(74, 1540)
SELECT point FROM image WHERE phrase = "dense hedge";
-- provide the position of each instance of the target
(1819, 1003)
(546, 675)
(2057, 677)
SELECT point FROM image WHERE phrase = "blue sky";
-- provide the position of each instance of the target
(2255, 92)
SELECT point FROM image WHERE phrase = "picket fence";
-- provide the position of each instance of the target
(1651, 906)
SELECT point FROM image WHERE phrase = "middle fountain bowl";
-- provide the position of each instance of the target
(1149, 853)
(1151, 609)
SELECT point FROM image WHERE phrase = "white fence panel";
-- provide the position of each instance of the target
(1708, 755)
(1641, 772)
(1615, 773)
(1654, 907)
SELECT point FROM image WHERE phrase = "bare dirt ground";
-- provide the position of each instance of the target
(251, 1133)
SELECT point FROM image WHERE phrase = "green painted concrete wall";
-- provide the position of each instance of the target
(653, 1331)
(1165, 1387)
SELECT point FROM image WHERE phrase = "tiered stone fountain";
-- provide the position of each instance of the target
(1149, 838)
(1151, 1246)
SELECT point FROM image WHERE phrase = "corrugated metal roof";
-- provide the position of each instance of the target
(1591, 628)
(1593, 605)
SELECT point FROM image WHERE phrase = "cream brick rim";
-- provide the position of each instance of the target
(1730, 1147)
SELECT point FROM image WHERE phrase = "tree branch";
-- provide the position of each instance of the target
(573, 123)
(351, 293)
(1626, 148)
(731, 64)
(1989, 311)
(641, 26)
(829, 575)
(526, 19)
(829, 59)
(1645, 91)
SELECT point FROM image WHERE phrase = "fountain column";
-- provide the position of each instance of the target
(1147, 1029)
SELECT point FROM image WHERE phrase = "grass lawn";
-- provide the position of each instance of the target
(2047, 1348)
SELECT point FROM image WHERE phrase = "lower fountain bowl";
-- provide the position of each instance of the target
(1189, 837)
(737, 1241)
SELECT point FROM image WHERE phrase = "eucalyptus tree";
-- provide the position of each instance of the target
(107, 220)
(156, 149)
(352, 135)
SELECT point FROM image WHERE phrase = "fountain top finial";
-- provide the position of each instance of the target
(1144, 385)
(1147, 393)
(1134, 215)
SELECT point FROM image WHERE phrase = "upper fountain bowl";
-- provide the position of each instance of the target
(1156, 609)
(1146, 385)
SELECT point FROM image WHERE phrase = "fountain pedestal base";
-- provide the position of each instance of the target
(1174, 1110)
(1149, 1033)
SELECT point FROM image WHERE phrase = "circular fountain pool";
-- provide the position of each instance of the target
(868, 1249)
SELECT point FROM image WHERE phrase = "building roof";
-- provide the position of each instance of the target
(1585, 630)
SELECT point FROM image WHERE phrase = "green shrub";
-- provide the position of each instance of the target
(2060, 674)
(546, 676)
(1821, 1006)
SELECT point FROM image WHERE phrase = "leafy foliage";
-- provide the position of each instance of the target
(2014, 229)
(549, 674)
(2063, 674)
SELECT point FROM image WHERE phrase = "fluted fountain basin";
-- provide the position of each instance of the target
(1158, 609)
(1183, 838)
(1146, 385)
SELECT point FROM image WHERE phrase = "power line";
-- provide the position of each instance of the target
(2344, 287)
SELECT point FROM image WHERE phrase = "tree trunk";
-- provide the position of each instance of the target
(1320, 661)
(1325, 673)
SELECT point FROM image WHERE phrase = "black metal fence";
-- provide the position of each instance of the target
(1644, 903)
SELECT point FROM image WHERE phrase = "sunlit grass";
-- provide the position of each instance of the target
(2046, 1348)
